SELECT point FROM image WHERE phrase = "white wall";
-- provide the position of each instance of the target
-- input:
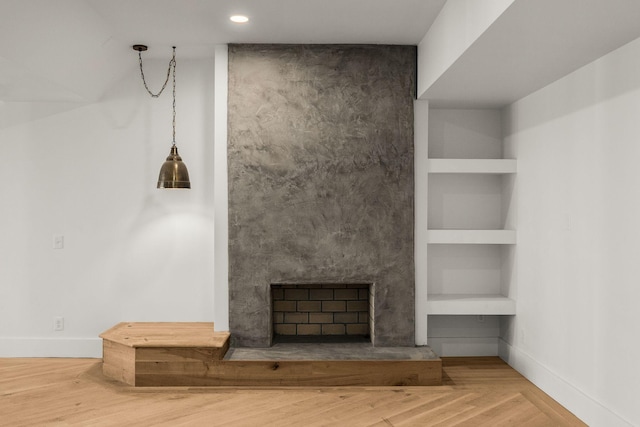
(578, 200)
(421, 212)
(132, 252)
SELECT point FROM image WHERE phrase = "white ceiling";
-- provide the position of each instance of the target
(204, 22)
(71, 51)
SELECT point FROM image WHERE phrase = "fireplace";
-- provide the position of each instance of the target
(320, 164)
(322, 312)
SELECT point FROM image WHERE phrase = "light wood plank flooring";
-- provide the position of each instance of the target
(73, 392)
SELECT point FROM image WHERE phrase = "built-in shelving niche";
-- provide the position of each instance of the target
(471, 232)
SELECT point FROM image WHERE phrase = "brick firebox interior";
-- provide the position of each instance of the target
(316, 311)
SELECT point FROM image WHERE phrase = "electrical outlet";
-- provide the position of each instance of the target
(58, 323)
(58, 241)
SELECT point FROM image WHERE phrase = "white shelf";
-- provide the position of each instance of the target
(470, 304)
(474, 237)
(486, 166)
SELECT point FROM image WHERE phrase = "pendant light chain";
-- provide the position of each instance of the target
(172, 64)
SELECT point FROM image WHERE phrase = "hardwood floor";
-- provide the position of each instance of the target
(74, 392)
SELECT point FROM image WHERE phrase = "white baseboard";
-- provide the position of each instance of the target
(580, 404)
(464, 346)
(51, 347)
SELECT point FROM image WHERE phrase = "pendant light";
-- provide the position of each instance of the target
(173, 173)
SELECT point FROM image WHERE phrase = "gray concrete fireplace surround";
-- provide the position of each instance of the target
(320, 156)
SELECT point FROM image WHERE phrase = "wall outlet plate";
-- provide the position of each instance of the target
(58, 323)
(58, 241)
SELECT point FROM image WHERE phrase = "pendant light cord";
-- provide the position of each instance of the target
(173, 60)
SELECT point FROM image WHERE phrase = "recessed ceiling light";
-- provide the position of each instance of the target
(239, 19)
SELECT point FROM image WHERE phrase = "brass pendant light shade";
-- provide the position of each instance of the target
(173, 173)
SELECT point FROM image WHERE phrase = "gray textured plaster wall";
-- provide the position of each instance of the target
(320, 154)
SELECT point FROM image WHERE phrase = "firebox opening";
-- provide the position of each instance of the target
(321, 312)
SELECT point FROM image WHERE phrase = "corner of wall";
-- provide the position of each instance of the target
(582, 405)
(420, 158)
(221, 202)
(457, 27)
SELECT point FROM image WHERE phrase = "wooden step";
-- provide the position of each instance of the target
(192, 354)
(129, 348)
